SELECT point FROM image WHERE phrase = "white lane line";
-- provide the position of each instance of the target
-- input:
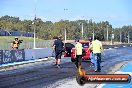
(110, 48)
(23, 62)
(115, 47)
(42, 59)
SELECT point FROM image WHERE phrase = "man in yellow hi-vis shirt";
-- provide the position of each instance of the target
(97, 48)
(78, 48)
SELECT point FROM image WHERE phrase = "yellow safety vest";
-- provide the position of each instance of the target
(96, 46)
(78, 48)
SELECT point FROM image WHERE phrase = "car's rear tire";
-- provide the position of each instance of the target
(72, 60)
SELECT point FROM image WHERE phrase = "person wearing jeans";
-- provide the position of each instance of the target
(97, 61)
(97, 48)
(92, 59)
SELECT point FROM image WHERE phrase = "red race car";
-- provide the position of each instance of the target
(70, 50)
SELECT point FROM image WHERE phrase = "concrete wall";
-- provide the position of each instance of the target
(37, 53)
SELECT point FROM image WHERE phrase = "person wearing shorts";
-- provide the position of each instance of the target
(58, 46)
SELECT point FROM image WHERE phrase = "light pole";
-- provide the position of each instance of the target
(112, 37)
(82, 31)
(120, 36)
(35, 8)
(93, 32)
(129, 34)
(107, 33)
(65, 25)
(65, 35)
(128, 38)
(34, 44)
(34, 37)
(83, 18)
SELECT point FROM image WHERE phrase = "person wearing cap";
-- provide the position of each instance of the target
(97, 48)
(15, 43)
(58, 46)
(78, 53)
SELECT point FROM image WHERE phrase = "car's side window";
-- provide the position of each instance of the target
(85, 45)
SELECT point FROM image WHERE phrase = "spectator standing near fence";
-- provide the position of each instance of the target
(15, 44)
(58, 47)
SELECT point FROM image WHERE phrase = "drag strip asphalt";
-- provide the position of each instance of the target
(44, 75)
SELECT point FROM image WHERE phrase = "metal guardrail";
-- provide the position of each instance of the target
(116, 46)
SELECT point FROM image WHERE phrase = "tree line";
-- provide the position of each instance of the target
(48, 29)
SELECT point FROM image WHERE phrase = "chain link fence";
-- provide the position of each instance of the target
(27, 45)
